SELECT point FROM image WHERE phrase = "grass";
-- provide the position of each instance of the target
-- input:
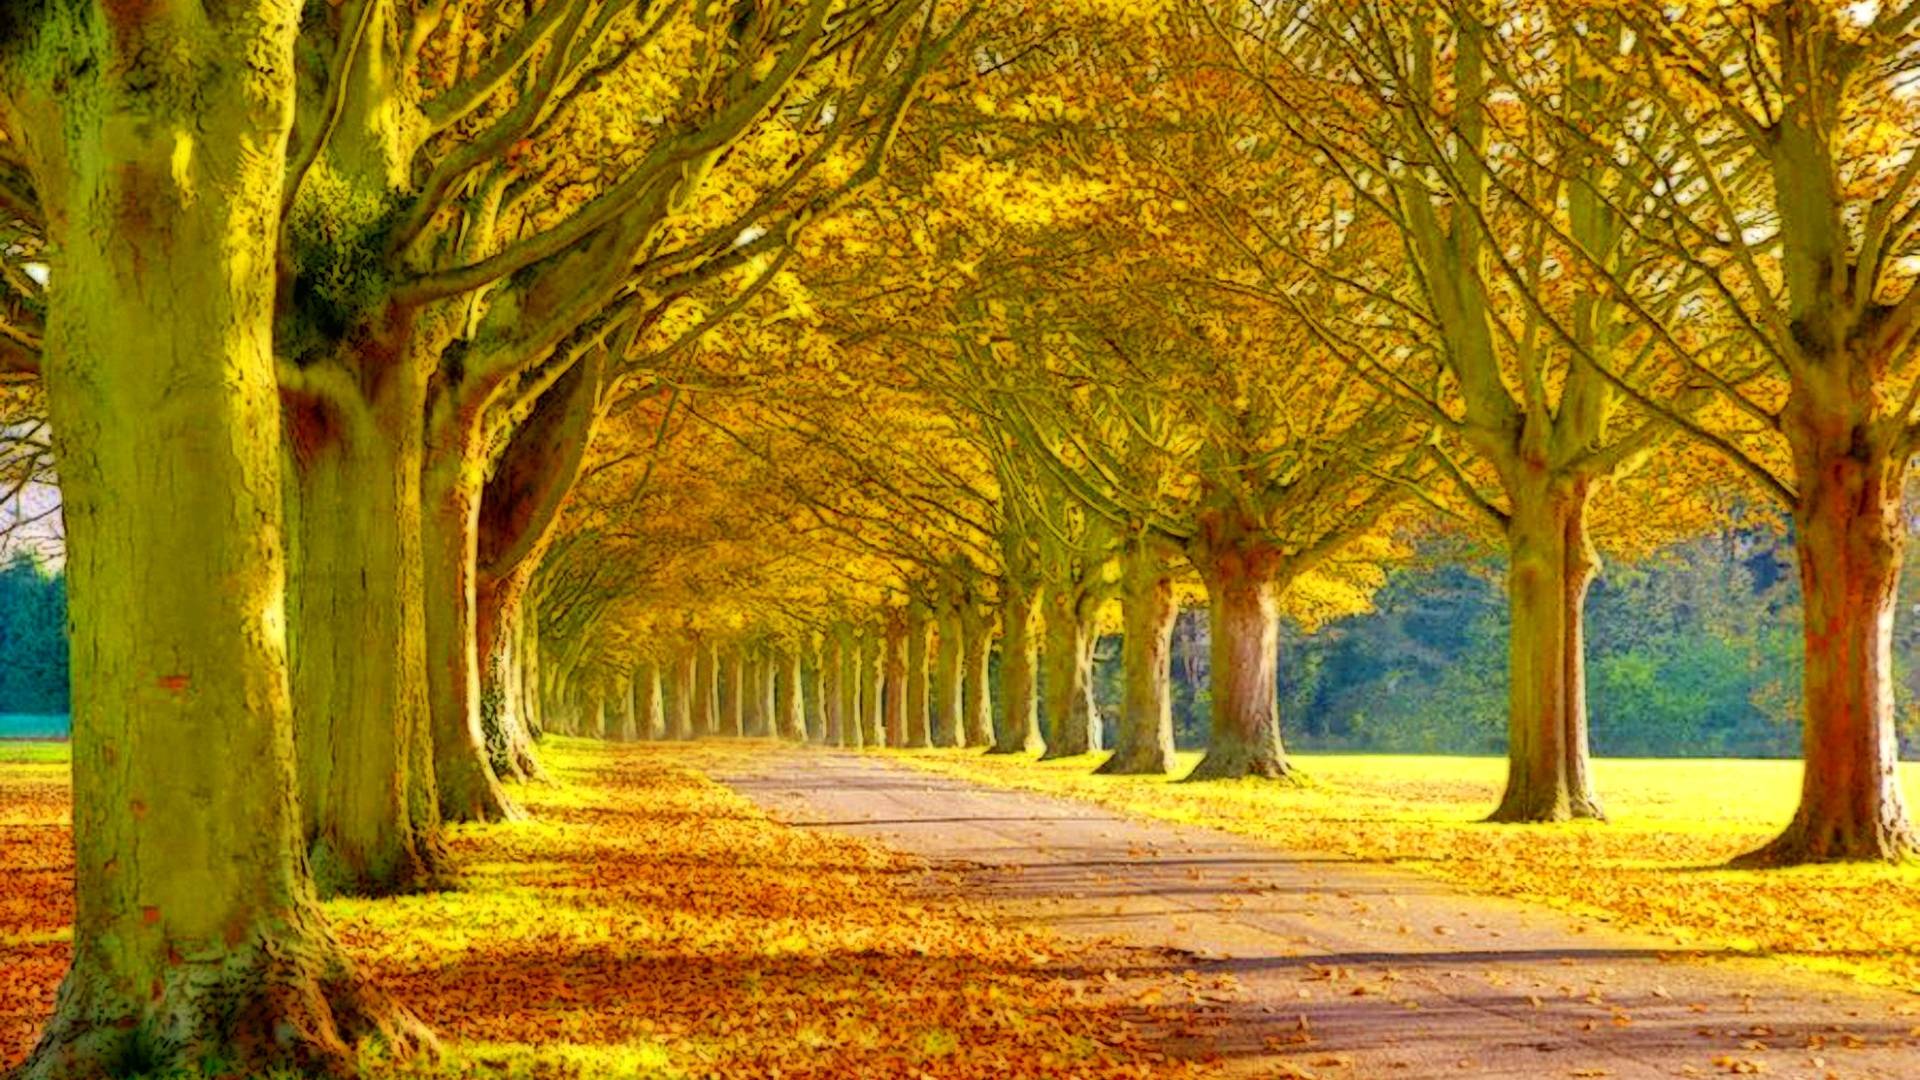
(1658, 864)
(650, 923)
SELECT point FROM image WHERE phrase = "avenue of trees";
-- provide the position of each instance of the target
(424, 376)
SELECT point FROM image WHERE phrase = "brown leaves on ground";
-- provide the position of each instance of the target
(652, 923)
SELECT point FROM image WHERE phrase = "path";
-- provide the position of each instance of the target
(1395, 975)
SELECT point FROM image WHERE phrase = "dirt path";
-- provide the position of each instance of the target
(1350, 970)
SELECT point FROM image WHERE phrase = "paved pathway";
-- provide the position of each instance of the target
(1330, 968)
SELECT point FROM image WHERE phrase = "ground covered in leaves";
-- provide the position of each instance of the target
(649, 922)
(1658, 864)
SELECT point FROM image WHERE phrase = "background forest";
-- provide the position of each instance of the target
(1694, 654)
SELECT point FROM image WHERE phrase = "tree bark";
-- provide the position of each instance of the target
(197, 944)
(1019, 728)
(648, 706)
(948, 716)
(1144, 738)
(817, 698)
(1850, 538)
(919, 730)
(685, 678)
(357, 634)
(847, 650)
(733, 692)
(1244, 739)
(792, 724)
(469, 789)
(1551, 564)
(706, 691)
(833, 690)
(1073, 722)
(872, 688)
(894, 664)
(507, 664)
(976, 679)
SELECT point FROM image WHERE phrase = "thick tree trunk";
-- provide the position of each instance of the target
(1144, 739)
(792, 710)
(197, 945)
(1019, 728)
(948, 705)
(1073, 722)
(469, 789)
(648, 705)
(680, 710)
(753, 707)
(507, 663)
(357, 635)
(1550, 566)
(919, 730)
(627, 689)
(1244, 739)
(976, 696)
(1850, 537)
(894, 672)
(872, 689)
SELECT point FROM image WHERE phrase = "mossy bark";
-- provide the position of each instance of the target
(357, 635)
(469, 789)
(1143, 742)
(197, 944)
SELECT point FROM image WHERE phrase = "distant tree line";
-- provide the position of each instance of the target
(33, 643)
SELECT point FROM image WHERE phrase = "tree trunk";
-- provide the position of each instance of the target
(507, 663)
(847, 649)
(1019, 729)
(733, 693)
(976, 698)
(357, 637)
(706, 691)
(648, 706)
(197, 945)
(872, 689)
(919, 731)
(685, 679)
(818, 695)
(894, 650)
(948, 716)
(1244, 739)
(753, 704)
(1550, 566)
(1850, 537)
(1144, 739)
(833, 690)
(792, 712)
(1073, 723)
(469, 789)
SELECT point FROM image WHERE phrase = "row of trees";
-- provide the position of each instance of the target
(425, 374)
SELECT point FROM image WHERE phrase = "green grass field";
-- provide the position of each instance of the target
(1658, 864)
